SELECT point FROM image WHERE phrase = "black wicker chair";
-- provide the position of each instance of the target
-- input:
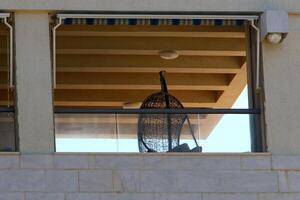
(161, 132)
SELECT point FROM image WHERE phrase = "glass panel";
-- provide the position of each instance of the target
(150, 132)
(7, 132)
(85, 132)
(225, 133)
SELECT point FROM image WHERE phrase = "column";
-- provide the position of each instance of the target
(34, 82)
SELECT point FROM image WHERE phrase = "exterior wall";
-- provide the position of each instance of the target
(33, 73)
(149, 177)
(282, 81)
(35, 118)
(36, 122)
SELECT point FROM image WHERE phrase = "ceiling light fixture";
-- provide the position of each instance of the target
(168, 54)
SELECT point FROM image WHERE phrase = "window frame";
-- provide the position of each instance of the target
(256, 95)
(7, 20)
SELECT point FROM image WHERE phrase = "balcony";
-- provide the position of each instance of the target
(118, 130)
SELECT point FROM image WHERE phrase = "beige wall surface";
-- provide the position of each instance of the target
(281, 64)
(149, 177)
(33, 83)
(282, 89)
(292, 6)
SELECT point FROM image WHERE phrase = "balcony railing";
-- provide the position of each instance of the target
(7, 129)
(117, 130)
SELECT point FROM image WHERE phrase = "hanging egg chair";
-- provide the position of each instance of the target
(161, 132)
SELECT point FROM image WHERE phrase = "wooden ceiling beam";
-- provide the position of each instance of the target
(3, 77)
(148, 63)
(4, 51)
(4, 86)
(226, 99)
(6, 98)
(148, 70)
(154, 61)
(237, 84)
(135, 87)
(128, 96)
(3, 59)
(143, 79)
(148, 52)
(150, 34)
(4, 33)
(150, 43)
(6, 103)
(3, 69)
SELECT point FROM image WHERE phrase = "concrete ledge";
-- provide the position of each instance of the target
(165, 154)
(9, 153)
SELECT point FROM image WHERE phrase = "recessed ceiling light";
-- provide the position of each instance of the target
(168, 54)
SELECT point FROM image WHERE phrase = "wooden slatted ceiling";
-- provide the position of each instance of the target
(142, 81)
(117, 66)
(108, 61)
(6, 94)
(151, 64)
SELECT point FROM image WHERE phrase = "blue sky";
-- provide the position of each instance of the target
(232, 134)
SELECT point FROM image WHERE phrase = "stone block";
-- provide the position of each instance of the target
(9, 162)
(83, 196)
(233, 196)
(96, 181)
(227, 181)
(286, 162)
(22, 180)
(283, 181)
(12, 196)
(71, 161)
(192, 162)
(126, 181)
(278, 196)
(117, 162)
(45, 196)
(158, 181)
(177, 196)
(127, 196)
(62, 181)
(294, 181)
(36, 161)
(256, 162)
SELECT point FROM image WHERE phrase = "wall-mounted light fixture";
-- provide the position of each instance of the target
(274, 26)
